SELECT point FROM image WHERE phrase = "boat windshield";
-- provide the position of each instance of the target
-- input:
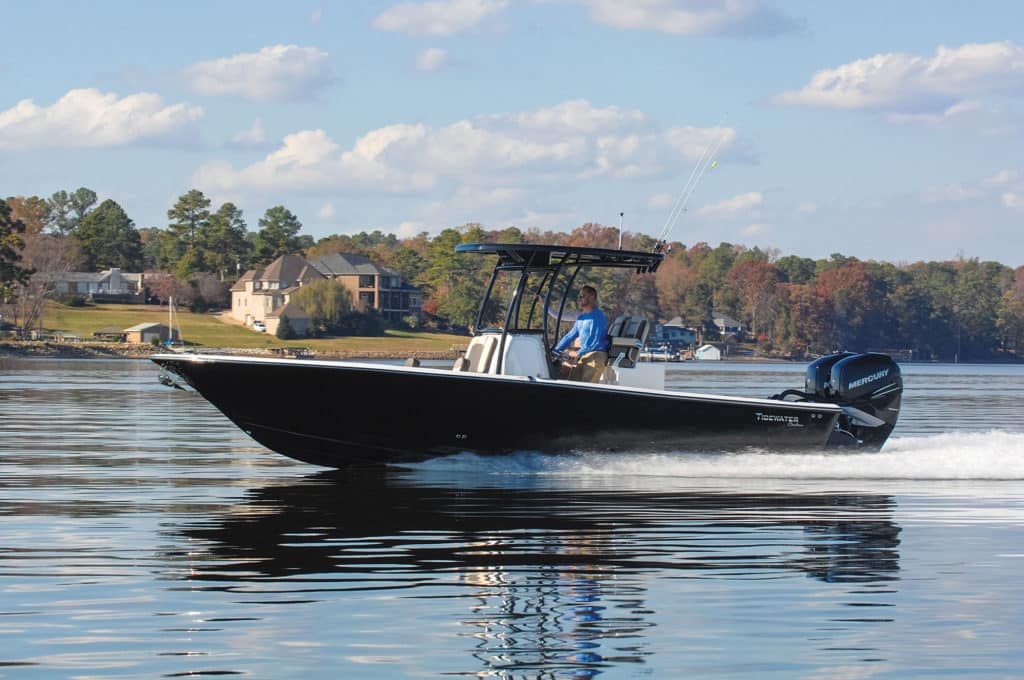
(500, 309)
(531, 284)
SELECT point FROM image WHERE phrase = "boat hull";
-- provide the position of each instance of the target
(339, 414)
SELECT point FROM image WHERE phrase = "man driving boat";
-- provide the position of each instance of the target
(591, 333)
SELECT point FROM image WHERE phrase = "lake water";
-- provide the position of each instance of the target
(142, 535)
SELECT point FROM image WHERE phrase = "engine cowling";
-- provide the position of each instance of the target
(868, 387)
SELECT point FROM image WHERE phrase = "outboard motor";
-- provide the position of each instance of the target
(868, 388)
(819, 375)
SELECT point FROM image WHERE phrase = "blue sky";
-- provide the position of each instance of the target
(889, 131)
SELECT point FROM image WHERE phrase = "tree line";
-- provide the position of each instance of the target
(962, 309)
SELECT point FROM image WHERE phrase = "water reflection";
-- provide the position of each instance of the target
(550, 579)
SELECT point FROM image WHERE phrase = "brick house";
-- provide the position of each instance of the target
(372, 286)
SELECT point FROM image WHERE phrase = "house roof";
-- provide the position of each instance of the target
(723, 319)
(286, 269)
(250, 275)
(98, 276)
(341, 264)
(144, 326)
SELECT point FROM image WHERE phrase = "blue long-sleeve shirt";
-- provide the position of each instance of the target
(592, 330)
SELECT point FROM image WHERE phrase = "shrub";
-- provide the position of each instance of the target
(284, 329)
(72, 300)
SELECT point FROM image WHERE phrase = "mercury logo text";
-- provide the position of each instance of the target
(868, 378)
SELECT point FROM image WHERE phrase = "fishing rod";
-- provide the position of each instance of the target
(707, 160)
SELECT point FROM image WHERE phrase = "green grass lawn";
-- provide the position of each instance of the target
(210, 330)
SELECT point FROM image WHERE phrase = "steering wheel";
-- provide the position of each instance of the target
(560, 357)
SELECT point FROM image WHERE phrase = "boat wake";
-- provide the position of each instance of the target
(995, 455)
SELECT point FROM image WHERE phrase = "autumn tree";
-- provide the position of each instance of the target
(33, 212)
(50, 256)
(805, 322)
(853, 300)
(754, 279)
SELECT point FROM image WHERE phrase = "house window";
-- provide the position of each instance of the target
(366, 299)
(366, 281)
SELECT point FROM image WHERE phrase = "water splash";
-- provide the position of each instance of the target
(995, 455)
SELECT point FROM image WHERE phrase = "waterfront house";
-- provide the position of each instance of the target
(726, 325)
(372, 286)
(265, 294)
(111, 283)
(674, 334)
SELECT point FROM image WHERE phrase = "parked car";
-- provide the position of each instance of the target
(259, 326)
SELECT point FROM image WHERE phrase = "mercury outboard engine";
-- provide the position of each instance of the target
(868, 387)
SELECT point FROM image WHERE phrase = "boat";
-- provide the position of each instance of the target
(506, 394)
(658, 353)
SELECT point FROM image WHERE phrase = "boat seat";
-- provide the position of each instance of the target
(626, 336)
(479, 353)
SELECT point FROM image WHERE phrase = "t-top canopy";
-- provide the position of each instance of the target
(537, 256)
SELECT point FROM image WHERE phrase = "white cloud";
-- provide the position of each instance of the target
(315, 16)
(909, 84)
(278, 72)
(1012, 200)
(90, 118)
(692, 17)
(950, 193)
(440, 17)
(1001, 178)
(253, 137)
(481, 162)
(736, 205)
(755, 229)
(409, 229)
(326, 211)
(574, 117)
(806, 209)
(1006, 187)
(432, 59)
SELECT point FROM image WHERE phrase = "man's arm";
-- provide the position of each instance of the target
(567, 339)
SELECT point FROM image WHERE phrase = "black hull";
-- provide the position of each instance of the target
(339, 414)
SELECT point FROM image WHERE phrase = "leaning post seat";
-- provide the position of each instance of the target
(626, 336)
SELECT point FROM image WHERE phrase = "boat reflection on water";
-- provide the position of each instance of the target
(542, 575)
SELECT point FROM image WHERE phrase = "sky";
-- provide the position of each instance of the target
(882, 130)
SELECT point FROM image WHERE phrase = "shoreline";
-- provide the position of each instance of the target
(112, 350)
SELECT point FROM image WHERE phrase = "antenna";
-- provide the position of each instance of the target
(620, 229)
